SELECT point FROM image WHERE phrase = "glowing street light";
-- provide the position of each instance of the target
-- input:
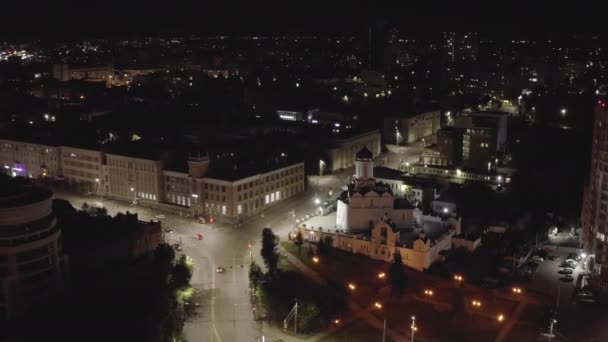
(563, 111)
(315, 260)
(500, 317)
(317, 200)
(414, 328)
(378, 305)
(476, 303)
(352, 286)
(516, 290)
(381, 275)
(458, 278)
(428, 293)
(336, 321)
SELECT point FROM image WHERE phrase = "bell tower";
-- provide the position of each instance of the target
(364, 174)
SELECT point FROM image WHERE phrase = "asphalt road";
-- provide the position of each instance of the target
(225, 313)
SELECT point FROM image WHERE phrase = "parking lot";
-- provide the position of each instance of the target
(576, 321)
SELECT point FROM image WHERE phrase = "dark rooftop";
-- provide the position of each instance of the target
(16, 192)
(365, 153)
(382, 172)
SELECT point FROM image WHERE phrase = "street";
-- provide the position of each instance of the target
(225, 312)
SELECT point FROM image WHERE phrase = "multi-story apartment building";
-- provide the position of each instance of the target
(594, 216)
(344, 153)
(407, 130)
(84, 167)
(30, 159)
(134, 178)
(31, 263)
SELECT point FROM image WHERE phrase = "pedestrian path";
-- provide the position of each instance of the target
(357, 310)
(506, 328)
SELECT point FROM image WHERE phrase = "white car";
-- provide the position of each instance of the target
(160, 216)
(220, 269)
(537, 259)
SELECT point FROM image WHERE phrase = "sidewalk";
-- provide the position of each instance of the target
(506, 329)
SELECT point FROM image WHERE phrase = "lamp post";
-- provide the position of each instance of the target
(414, 328)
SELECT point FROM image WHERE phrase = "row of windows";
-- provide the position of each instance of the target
(68, 172)
(179, 200)
(146, 196)
(81, 157)
(80, 164)
(148, 167)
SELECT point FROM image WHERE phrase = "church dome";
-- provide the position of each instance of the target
(364, 153)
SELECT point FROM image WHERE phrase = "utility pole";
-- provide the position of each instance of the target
(550, 337)
(295, 325)
(384, 332)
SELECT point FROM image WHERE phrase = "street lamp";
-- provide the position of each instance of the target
(414, 328)
(381, 275)
(315, 260)
(317, 200)
(352, 287)
(458, 278)
(516, 290)
(500, 317)
(563, 112)
(428, 293)
(378, 305)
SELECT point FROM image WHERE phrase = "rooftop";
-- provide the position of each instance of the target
(15, 192)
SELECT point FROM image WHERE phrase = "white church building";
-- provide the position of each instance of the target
(365, 200)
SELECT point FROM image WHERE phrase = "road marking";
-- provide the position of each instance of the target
(217, 335)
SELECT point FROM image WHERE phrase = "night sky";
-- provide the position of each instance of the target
(75, 19)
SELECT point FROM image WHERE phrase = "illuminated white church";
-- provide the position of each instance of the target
(365, 201)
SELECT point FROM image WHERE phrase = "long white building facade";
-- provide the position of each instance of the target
(194, 189)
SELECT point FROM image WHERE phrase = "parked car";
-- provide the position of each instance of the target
(536, 258)
(220, 269)
(586, 299)
(160, 216)
(566, 277)
(567, 264)
(584, 294)
(566, 271)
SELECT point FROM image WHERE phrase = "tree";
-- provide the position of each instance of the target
(270, 250)
(311, 252)
(181, 273)
(298, 242)
(255, 274)
(308, 317)
(396, 275)
(329, 243)
(321, 247)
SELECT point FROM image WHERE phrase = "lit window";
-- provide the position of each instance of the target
(223, 210)
(278, 195)
(239, 209)
(267, 199)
